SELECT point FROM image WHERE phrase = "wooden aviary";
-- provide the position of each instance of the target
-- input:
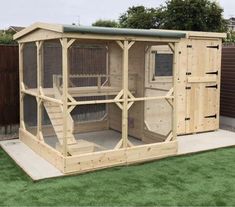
(80, 86)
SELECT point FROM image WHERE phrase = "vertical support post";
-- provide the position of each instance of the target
(39, 84)
(99, 82)
(21, 66)
(125, 95)
(64, 43)
(175, 78)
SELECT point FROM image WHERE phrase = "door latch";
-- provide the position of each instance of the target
(213, 47)
(213, 73)
(212, 116)
(214, 86)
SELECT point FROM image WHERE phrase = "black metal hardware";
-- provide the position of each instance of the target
(212, 116)
(188, 88)
(188, 73)
(213, 73)
(214, 86)
(189, 46)
(213, 47)
(187, 119)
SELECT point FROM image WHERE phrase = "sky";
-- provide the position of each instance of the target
(85, 12)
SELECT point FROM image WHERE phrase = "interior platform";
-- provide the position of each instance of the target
(38, 168)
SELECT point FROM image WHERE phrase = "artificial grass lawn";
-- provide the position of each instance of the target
(205, 179)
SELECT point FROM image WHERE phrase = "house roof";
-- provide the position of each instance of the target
(60, 28)
(16, 28)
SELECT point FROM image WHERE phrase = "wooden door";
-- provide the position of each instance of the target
(202, 85)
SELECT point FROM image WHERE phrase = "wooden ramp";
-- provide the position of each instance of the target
(55, 113)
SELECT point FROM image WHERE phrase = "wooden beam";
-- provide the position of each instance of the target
(125, 93)
(120, 44)
(175, 77)
(70, 43)
(64, 43)
(21, 67)
(169, 137)
(39, 45)
(171, 46)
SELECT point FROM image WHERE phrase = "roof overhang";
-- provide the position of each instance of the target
(105, 31)
(99, 31)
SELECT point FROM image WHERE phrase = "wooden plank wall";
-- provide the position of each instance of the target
(227, 100)
(9, 85)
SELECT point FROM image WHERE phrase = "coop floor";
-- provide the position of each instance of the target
(38, 168)
(107, 139)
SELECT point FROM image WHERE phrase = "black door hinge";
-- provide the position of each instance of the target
(187, 119)
(212, 116)
(214, 86)
(213, 73)
(188, 88)
(188, 73)
(214, 47)
(189, 46)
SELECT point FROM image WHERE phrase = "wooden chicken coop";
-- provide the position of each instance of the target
(93, 97)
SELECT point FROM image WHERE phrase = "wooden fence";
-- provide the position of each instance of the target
(9, 87)
(228, 82)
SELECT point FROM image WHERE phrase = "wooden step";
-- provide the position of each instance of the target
(80, 147)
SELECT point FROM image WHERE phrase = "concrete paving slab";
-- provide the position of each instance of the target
(205, 141)
(34, 165)
(38, 168)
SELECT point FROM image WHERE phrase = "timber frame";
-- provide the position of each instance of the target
(125, 152)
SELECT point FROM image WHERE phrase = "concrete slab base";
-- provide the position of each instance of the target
(205, 141)
(34, 165)
(38, 168)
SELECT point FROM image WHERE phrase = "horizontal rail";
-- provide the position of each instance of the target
(118, 100)
(94, 75)
(94, 102)
(150, 98)
(41, 96)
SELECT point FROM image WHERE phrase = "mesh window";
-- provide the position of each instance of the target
(163, 64)
(52, 58)
(87, 59)
(30, 114)
(30, 65)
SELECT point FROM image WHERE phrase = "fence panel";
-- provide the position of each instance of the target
(227, 101)
(9, 88)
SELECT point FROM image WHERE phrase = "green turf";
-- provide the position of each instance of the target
(206, 179)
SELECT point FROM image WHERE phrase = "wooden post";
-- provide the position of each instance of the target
(39, 84)
(175, 76)
(21, 67)
(125, 94)
(64, 43)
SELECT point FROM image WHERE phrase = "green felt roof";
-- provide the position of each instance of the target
(122, 31)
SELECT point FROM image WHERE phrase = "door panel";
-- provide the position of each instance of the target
(202, 85)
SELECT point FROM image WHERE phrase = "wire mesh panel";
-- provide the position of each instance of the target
(87, 71)
(30, 114)
(30, 65)
(48, 129)
(52, 65)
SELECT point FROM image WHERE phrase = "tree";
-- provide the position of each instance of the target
(195, 15)
(105, 23)
(6, 38)
(141, 17)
